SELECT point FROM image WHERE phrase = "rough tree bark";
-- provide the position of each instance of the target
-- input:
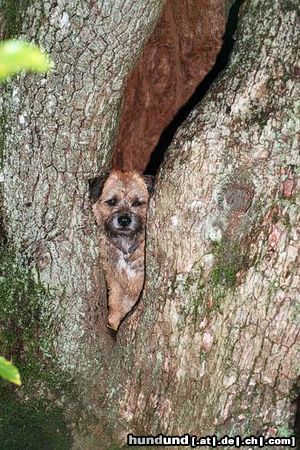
(59, 133)
(212, 347)
(214, 342)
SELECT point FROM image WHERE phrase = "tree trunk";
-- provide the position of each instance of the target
(59, 133)
(212, 346)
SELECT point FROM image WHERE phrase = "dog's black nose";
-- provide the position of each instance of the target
(124, 220)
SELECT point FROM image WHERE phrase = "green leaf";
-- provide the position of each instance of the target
(9, 372)
(16, 55)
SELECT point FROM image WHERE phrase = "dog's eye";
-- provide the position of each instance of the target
(137, 203)
(112, 201)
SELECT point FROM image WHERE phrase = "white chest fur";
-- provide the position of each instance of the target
(124, 265)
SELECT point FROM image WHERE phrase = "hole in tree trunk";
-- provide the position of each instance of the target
(178, 55)
(183, 51)
(188, 47)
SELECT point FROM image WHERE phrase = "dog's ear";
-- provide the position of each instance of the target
(96, 186)
(149, 180)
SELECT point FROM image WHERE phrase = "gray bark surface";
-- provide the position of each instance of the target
(60, 132)
(215, 341)
(212, 347)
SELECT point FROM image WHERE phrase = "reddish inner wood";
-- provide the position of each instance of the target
(180, 52)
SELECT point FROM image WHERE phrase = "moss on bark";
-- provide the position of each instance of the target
(26, 420)
(14, 12)
(31, 424)
(20, 299)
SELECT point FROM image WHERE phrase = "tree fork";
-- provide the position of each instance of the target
(212, 346)
(215, 339)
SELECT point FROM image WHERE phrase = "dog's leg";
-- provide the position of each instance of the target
(116, 310)
(119, 304)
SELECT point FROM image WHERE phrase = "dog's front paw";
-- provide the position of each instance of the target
(113, 322)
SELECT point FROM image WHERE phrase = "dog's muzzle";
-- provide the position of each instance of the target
(124, 223)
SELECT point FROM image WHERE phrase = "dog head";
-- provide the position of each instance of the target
(121, 204)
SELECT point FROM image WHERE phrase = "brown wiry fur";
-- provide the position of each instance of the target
(122, 250)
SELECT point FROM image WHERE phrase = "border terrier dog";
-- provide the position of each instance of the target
(120, 208)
